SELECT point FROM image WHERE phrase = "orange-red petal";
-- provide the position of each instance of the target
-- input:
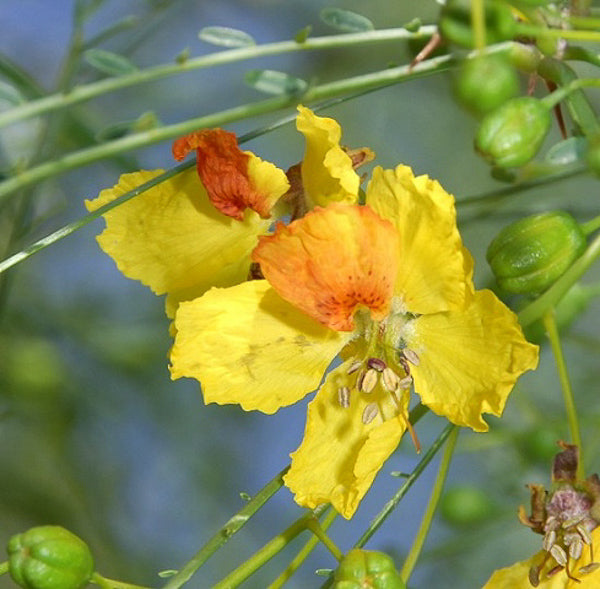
(331, 262)
(224, 170)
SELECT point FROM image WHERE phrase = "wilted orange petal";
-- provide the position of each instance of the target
(223, 169)
(331, 262)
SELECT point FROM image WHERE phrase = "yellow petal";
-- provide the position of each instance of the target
(331, 262)
(246, 345)
(470, 359)
(327, 172)
(340, 455)
(172, 239)
(432, 275)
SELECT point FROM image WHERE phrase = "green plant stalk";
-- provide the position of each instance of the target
(436, 492)
(297, 561)
(410, 480)
(227, 531)
(268, 551)
(534, 31)
(555, 97)
(105, 583)
(4, 567)
(315, 527)
(554, 337)
(89, 91)
(591, 225)
(536, 309)
(80, 158)
(478, 23)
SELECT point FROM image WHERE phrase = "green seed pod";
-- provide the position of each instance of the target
(530, 255)
(513, 133)
(455, 22)
(367, 569)
(484, 83)
(465, 506)
(49, 557)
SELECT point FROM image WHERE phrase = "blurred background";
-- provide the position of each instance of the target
(94, 436)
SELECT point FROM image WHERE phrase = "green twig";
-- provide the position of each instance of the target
(550, 298)
(315, 527)
(303, 553)
(554, 337)
(83, 93)
(113, 584)
(478, 23)
(591, 225)
(227, 531)
(80, 158)
(434, 498)
(268, 551)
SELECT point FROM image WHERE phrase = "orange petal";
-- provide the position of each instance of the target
(331, 262)
(223, 169)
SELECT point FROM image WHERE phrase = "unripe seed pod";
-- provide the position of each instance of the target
(455, 22)
(530, 255)
(513, 133)
(49, 557)
(367, 568)
(484, 83)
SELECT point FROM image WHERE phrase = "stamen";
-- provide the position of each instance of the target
(559, 555)
(390, 379)
(369, 380)
(588, 568)
(585, 535)
(411, 356)
(404, 363)
(370, 413)
(377, 364)
(549, 540)
(576, 548)
(354, 366)
(413, 434)
(405, 383)
(344, 397)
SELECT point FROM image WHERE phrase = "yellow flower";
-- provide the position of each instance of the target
(388, 287)
(551, 576)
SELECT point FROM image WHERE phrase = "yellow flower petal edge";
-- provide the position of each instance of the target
(331, 262)
(433, 274)
(246, 345)
(517, 575)
(470, 359)
(340, 456)
(327, 171)
(172, 239)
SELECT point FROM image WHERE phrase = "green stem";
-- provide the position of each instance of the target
(478, 23)
(410, 480)
(4, 567)
(268, 551)
(302, 554)
(227, 531)
(315, 527)
(550, 298)
(535, 31)
(554, 337)
(553, 99)
(591, 225)
(83, 93)
(434, 498)
(362, 83)
(113, 584)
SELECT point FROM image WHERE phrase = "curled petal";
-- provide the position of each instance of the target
(433, 274)
(234, 179)
(246, 345)
(470, 359)
(331, 262)
(340, 456)
(327, 171)
(172, 239)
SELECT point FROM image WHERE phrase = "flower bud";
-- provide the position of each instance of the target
(530, 255)
(367, 568)
(484, 83)
(455, 22)
(512, 134)
(49, 557)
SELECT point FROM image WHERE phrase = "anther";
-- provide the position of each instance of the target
(377, 364)
(404, 363)
(411, 356)
(390, 379)
(549, 540)
(405, 383)
(559, 555)
(576, 548)
(344, 397)
(370, 413)
(354, 366)
(369, 380)
(584, 533)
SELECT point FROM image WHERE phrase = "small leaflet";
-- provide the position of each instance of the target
(345, 20)
(302, 34)
(274, 82)
(226, 37)
(109, 63)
